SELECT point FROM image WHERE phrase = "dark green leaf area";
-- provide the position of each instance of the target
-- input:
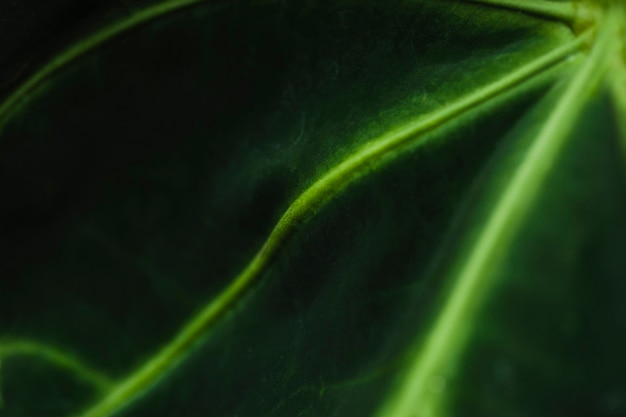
(335, 317)
(34, 388)
(29, 27)
(548, 342)
(139, 180)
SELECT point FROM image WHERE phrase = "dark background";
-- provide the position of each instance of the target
(30, 29)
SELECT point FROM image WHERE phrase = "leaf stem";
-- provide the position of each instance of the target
(450, 330)
(363, 161)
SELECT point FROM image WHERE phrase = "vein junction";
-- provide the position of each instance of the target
(443, 345)
(362, 162)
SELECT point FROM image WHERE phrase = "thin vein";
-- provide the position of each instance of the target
(58, 358)
(13, 102)
(565, 11)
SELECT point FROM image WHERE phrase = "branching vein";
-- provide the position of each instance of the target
(361, 162)
(445, 341)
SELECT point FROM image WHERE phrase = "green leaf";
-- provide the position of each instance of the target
(347, 208)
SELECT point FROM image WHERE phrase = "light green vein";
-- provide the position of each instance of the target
(56, 357)
(566, 11)
(362, 161)
(434, 361)
(13, 102)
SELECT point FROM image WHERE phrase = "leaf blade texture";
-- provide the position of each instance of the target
(318, 209)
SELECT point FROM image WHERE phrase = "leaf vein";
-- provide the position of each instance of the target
(366, 159)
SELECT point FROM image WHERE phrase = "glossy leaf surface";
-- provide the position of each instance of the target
(354, 208)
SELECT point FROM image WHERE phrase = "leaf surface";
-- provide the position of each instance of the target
(318, 208)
